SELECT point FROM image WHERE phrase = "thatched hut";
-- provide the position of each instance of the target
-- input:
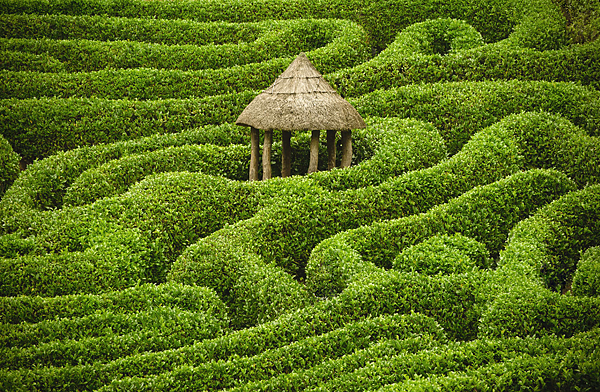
(299, 100)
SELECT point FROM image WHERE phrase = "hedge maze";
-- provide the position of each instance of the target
(460, 251)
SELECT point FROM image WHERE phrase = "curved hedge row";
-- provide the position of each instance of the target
(443, 254)
(541, 255)
(569, 364)
(457, 109)
(9, 165)
(115, 177)
(302, 354)
(109, 338)
(395, 68)
(239, 356)
(586, 280)
(485, 213)
(460, 109)
(38, 128)
(44, 183)
(383, 362)
(35, 309)
(103, 28)
(279, 39)
(117, 242)
(382, 19)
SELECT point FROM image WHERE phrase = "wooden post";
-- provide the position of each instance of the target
(314, 152)
(286, 154)
(331, 153)
(346, 148)
(253, 173)
(266, 158)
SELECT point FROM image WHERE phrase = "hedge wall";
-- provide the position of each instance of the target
(283, 39)
(460, 109)
(103, 28)
(35, 309)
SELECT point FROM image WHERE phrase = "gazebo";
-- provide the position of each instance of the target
(299, 100)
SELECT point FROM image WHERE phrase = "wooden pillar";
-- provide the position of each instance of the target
(253, 173)
(346, 148)
(266, 158)
(331, 153)
(286, 154)
(314, 152)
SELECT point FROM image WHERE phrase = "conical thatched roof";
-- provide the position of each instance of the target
(300, 99)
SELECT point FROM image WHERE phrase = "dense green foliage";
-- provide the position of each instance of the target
(460, 251)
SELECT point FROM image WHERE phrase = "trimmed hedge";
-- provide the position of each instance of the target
(306, 378)
(485, 213)
(36, 309)
(104, 337)
(382, 19)
(284, 39)
(543, 25)
(575, 366)
(37, 128)
(303, 354)
(9, 165)
(117, 242)
(103, 28)
(295, 334)
(458, 110)
(536, 311)
(443, 254)
(115, 177)
(586, 281)
(500, 61)
(540, 255)
(21, 61)
(550, 242)
(391, 148)
(443, 360)
(44, 183)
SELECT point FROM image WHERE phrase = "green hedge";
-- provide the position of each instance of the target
(21, 61)
(103, 28)
(299, 355)
(485, 213)
(37, 128)
(290, 334)
(443, 254)
(543, 25)
(105, 336)
(537, 311)
(305, 379)
(458, 110)
(117, 242)
(586, 281)
(35, 309)
(390, 147)
(115, 177)
(382, 19)
(492, 62)
(313, 216)
(282, 39)
(541, 254)
(440, 361)
(44, 183)
(574, 366)
(9, 165)
(551, 240)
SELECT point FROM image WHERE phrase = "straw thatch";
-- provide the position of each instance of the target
(300, 99)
